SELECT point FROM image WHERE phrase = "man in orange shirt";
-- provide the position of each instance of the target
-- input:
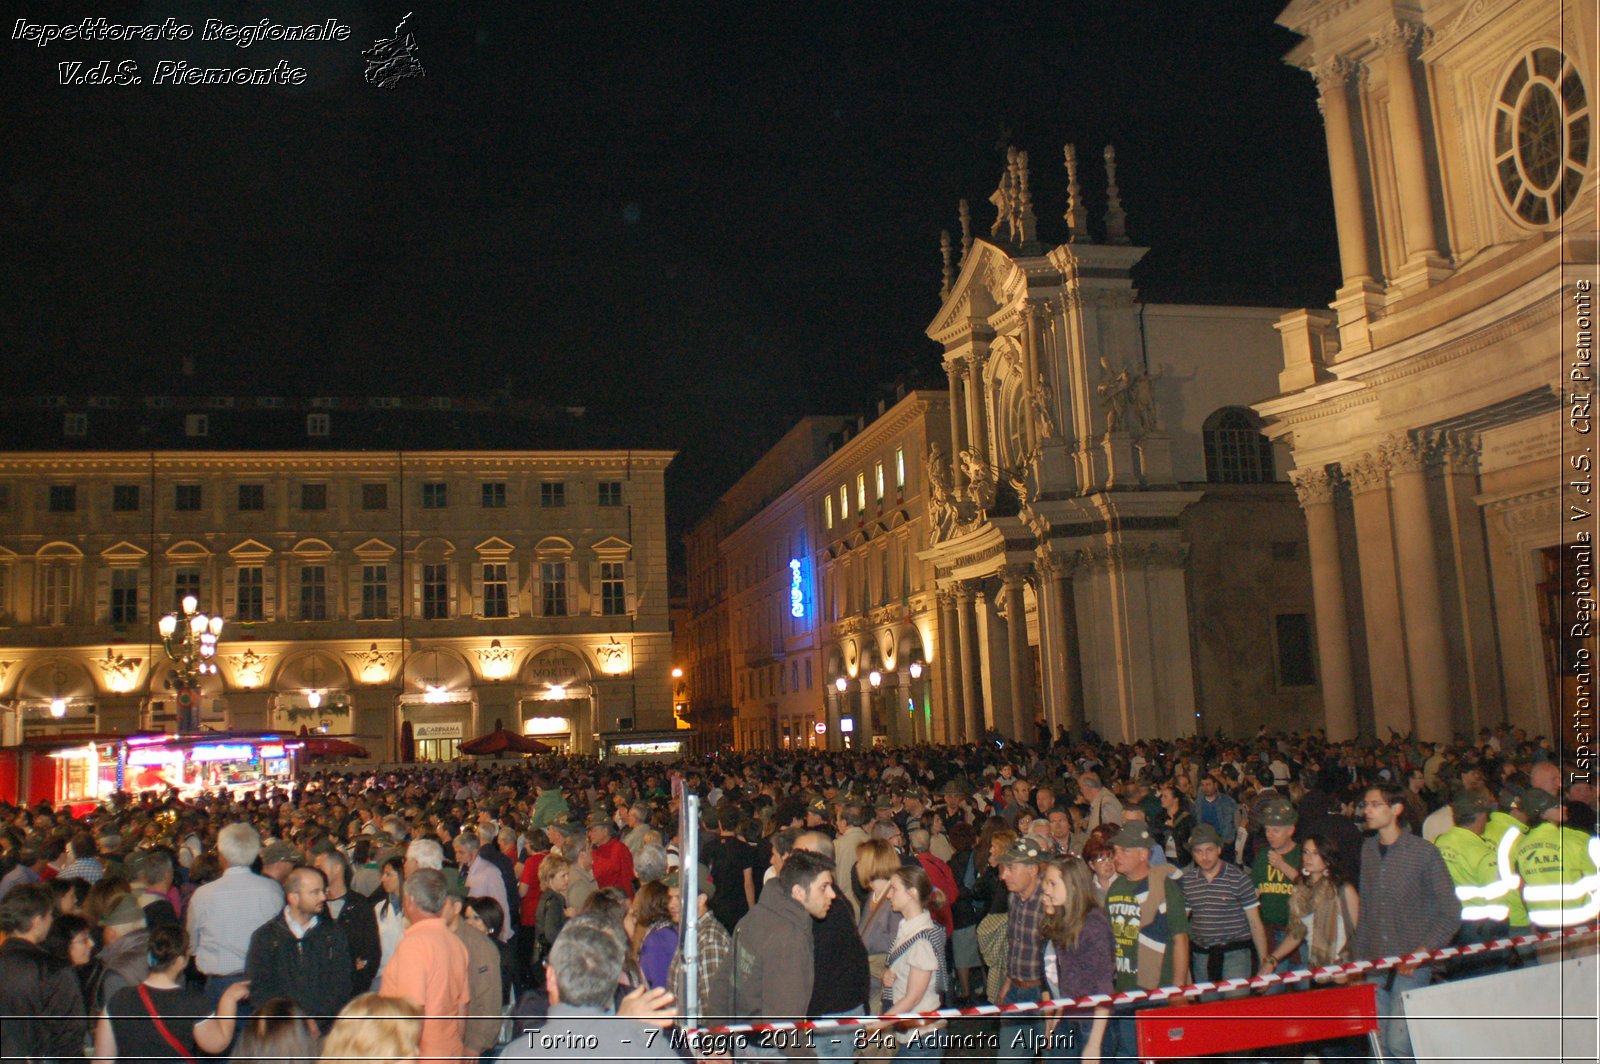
(429, 968)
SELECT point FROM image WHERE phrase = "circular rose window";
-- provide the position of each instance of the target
(1541, 136)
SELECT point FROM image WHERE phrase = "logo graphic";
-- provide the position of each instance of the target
(393, 59)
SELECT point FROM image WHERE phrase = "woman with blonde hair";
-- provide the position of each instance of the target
(876, 860)
(375, 1028)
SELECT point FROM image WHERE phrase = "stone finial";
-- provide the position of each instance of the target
(1004, 197)
(1116, 218)
(1075, 215)
(966, 230)
(945, 251)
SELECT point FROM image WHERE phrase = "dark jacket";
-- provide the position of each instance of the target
(837, 950)
(359, 918)
(508, 875)
(773, 970)
(314, 971)
(35, 985)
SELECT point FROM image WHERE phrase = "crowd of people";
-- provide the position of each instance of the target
(532, 909)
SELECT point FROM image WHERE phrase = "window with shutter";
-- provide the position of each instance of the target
(185, 583)
(613, 589)
(553, 589)
(495, 590)
(435, 592)
(249, 593)
(374, 592)
(313, 593)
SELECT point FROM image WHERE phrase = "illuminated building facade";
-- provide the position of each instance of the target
(1430, 409)
(384, 567)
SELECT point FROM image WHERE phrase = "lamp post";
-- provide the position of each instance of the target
(190, 639)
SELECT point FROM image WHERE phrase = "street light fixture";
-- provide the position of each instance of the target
(190, 639)
(875, 678)
(841, 684)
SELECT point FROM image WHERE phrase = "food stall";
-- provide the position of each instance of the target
(76, 771)
(209, 762)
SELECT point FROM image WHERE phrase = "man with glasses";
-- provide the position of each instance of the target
(1408, 903)
(301, 955)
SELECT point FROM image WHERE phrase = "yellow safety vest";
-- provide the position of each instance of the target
(1505, 833)
(1560, 870)
(1471, 861)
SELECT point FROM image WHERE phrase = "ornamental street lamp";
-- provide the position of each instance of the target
(190, 640)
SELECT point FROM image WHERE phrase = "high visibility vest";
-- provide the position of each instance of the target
(1560, 871)
(1505, 833)
(1471, 861)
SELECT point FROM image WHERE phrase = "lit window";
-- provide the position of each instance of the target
(185, 584)
(613, 589)
(844, 503)
(861, 493)
(496, 590)
(124, 596)
(374, 592)
(553, 580)
(313, 593)
(435, 592)
(900, 470)
(250, 593)
(877, 472)
(1235, 450)
(827, 510)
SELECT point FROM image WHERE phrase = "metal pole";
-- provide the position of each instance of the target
(689, 891)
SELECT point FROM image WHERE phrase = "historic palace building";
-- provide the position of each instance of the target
(1115, 543)
(384, 568)
(1435, 409)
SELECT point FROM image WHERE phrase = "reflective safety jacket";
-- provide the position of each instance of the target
(1471, 861)
(1505, 832)
(1560, 870)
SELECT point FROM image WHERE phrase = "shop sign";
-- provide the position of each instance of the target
(437, 731)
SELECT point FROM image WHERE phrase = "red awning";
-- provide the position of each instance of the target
(324, 747)
(501, 741)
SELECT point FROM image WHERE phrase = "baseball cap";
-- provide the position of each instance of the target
(674, 880)
(1204, 835)
(1278, 813)
(1023, 851)
(279, 851)
(1536, 802)
(1467, 805)
(1134, 835)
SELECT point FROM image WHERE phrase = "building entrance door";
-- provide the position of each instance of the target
(1569, 643)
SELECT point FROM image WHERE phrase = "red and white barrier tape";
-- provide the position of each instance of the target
(1166, 993)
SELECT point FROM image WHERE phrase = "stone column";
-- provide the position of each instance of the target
(1065, 620)
(949, 666)
(977, 427)
(1427, 649)
(1349, 208)
(1480, 647)
(1030, 364)
(1395, 44)
(902, 723)
(1017, 644)
(1316, 490)
(864, 717)
(956, 372)
(832, 699)
(968, 671)
(1380, 599)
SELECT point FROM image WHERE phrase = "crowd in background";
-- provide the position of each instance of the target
(520, 908)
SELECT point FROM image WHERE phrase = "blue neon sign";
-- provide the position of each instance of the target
(797, 598)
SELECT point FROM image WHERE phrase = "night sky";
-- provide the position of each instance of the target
(698, 220)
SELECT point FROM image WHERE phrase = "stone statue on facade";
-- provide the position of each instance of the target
(941, 502)
(980, 479)
(1040, 402)
(1115, 392)
(1142, 401)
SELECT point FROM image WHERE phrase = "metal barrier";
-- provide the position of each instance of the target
(1312, 1016)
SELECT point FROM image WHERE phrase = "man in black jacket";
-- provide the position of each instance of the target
(38, 995)
(356, 914)
(300, 954)
(840, 956)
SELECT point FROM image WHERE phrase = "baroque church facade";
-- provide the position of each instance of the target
(1115, 544)
(1438, 411)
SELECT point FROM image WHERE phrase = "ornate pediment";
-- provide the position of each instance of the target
(124, 553)
(250, 550)
(494, 545)
(374, 548)
(612, 547)
(987, 273)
